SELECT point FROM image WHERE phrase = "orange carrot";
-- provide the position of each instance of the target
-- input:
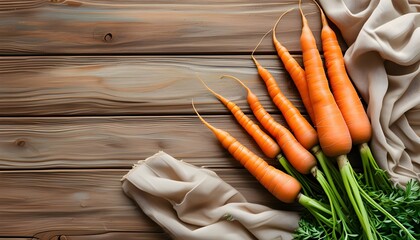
(343, 90)
(282, 186)
(300, 158)
(313, 143)
(351, 107)
(334, 136)
(279, 184)
(297, 73)
(301, 128)
(359, 128)
(270, 148)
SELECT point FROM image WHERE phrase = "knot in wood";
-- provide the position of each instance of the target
(20, 142)
(108, 37)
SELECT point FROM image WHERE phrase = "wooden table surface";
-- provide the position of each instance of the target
(88, 88)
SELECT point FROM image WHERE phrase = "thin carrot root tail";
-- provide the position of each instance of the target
(238, 80)
(281, 50)
(304, 20)
(323, 17)
(278, 20)
(259, 43)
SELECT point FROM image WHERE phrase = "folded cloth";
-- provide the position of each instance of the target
(383, 60)
(190, 202)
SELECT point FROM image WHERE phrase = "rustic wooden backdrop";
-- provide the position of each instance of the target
(88, 88)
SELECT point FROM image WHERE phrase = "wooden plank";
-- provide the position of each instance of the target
(39, 202)
(39, 86)
(78, 235)
(89, 202)
(16, 238)
(117, 142)
(106, 26)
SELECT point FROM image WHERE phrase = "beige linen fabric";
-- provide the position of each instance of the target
(194, 203)
(383, 61)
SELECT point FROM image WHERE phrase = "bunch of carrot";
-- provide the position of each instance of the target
(339, 122)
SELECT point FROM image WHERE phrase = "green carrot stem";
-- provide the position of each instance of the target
(345, 228)
(367, 171)
(321, 219)
(320, 177)
(310, 204)
(332, 175)
(378, 177)
(313, 204)
(352, 188)
(317, 209)
(320, 223)
(308, 187)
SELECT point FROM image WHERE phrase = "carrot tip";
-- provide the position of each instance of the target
(218, 96)
(259, 43)
(304, 20)
(201, 118)
(238, 80)
(278, 20)
(323, 17)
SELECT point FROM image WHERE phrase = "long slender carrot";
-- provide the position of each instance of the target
(334, 136)
(354, 115)
(297, 73)
(270, 148)
(300, 158)
(279, 184)
(300, 127)
(349, 103)
(345, 94)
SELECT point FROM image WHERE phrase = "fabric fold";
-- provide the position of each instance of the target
(190, 202)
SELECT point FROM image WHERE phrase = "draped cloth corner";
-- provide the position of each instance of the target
(190, 202)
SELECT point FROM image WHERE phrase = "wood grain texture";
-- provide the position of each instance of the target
(16, 238)
(39, 86)
(91, 235)
(89, 87)
(91, 202)
(127, 26)
(114, 142)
